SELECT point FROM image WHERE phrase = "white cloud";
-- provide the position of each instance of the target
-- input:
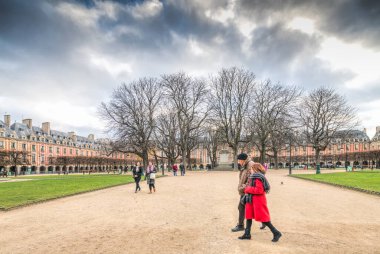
(302, 24)
(147, 9)
(363, 62)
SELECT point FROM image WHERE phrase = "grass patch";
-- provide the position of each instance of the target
(366, 180)
(41, 188)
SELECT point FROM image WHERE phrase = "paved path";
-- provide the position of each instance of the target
(194, 214)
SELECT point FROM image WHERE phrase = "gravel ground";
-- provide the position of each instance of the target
(194, 214)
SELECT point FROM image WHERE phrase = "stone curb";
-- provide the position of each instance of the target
(339, 185)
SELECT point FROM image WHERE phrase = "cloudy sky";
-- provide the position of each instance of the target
(60, 59)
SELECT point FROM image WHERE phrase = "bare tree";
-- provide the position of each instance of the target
(14, 158)
(324, 114)
(212, 140)
(230, 100)
(166, 135)
(187, 98)
(130, 116)
(274, 105)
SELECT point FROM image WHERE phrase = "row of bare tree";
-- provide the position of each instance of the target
(15, 158)
(174, 114)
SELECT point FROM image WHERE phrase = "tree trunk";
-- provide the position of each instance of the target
(317, 161)
(145, 159)
(184, 159)
(188, 157)
(235, 157)
(262, 153)
(275, 155)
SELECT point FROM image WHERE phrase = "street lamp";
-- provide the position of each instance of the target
(346, 163)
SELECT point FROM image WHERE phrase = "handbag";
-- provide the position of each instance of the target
(152, 176)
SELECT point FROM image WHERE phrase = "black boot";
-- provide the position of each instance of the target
(263, 226)
(238, 228)
(246, 236)
(276, 236)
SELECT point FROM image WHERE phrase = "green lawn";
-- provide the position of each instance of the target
(40, 188)
(366, 180)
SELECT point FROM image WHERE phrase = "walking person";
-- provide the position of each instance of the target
(243, 164)
(175, 169)
(256, 203)
(150, 177)
(137, 171)
(182, 168)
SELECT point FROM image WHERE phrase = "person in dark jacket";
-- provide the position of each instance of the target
(137, 172)
(256, 203)
(182, 168)
(243, 163)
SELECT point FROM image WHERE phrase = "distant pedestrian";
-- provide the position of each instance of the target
(151, 177)
(175, 169)
(182, 168)
(137, 172)
(255, 202)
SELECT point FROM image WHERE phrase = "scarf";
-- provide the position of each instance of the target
(262, 178)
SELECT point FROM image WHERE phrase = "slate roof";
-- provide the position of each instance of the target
(22, 131)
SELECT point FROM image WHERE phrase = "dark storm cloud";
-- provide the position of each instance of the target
(349, 20)
(355, 21)
(78, 51)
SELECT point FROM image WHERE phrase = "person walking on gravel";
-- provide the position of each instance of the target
(243, 163)
(256, 203)
(175, 169)
(137, 172)
(151, 177)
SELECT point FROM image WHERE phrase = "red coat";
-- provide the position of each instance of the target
(258, 209)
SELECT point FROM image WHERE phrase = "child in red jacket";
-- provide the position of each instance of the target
(256, 202)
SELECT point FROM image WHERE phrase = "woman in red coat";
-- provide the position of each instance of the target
(256, 203)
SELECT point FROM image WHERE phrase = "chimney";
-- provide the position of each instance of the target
(46, 127)
(91, 137)
(7, 120)
(73, 136)
(27, 122)
(377, 129)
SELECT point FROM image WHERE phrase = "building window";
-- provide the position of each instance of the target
(64, 150)
(356, 146)
(24, 146)
(77, 152)
(57, 150)
(42, 149)
(33, 148)
(1, 144)
(13, 145)
(71, 151)
(33, 158)
(50, 149)
(42, 158)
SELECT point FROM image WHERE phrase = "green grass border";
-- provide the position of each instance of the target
(376, 193)
(69, 195)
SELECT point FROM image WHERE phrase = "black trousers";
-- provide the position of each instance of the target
(241, 209)
(137, 181)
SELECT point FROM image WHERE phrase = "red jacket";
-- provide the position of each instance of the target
(175, 168)
(258, 209)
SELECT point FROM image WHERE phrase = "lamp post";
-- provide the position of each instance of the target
(346, 163)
